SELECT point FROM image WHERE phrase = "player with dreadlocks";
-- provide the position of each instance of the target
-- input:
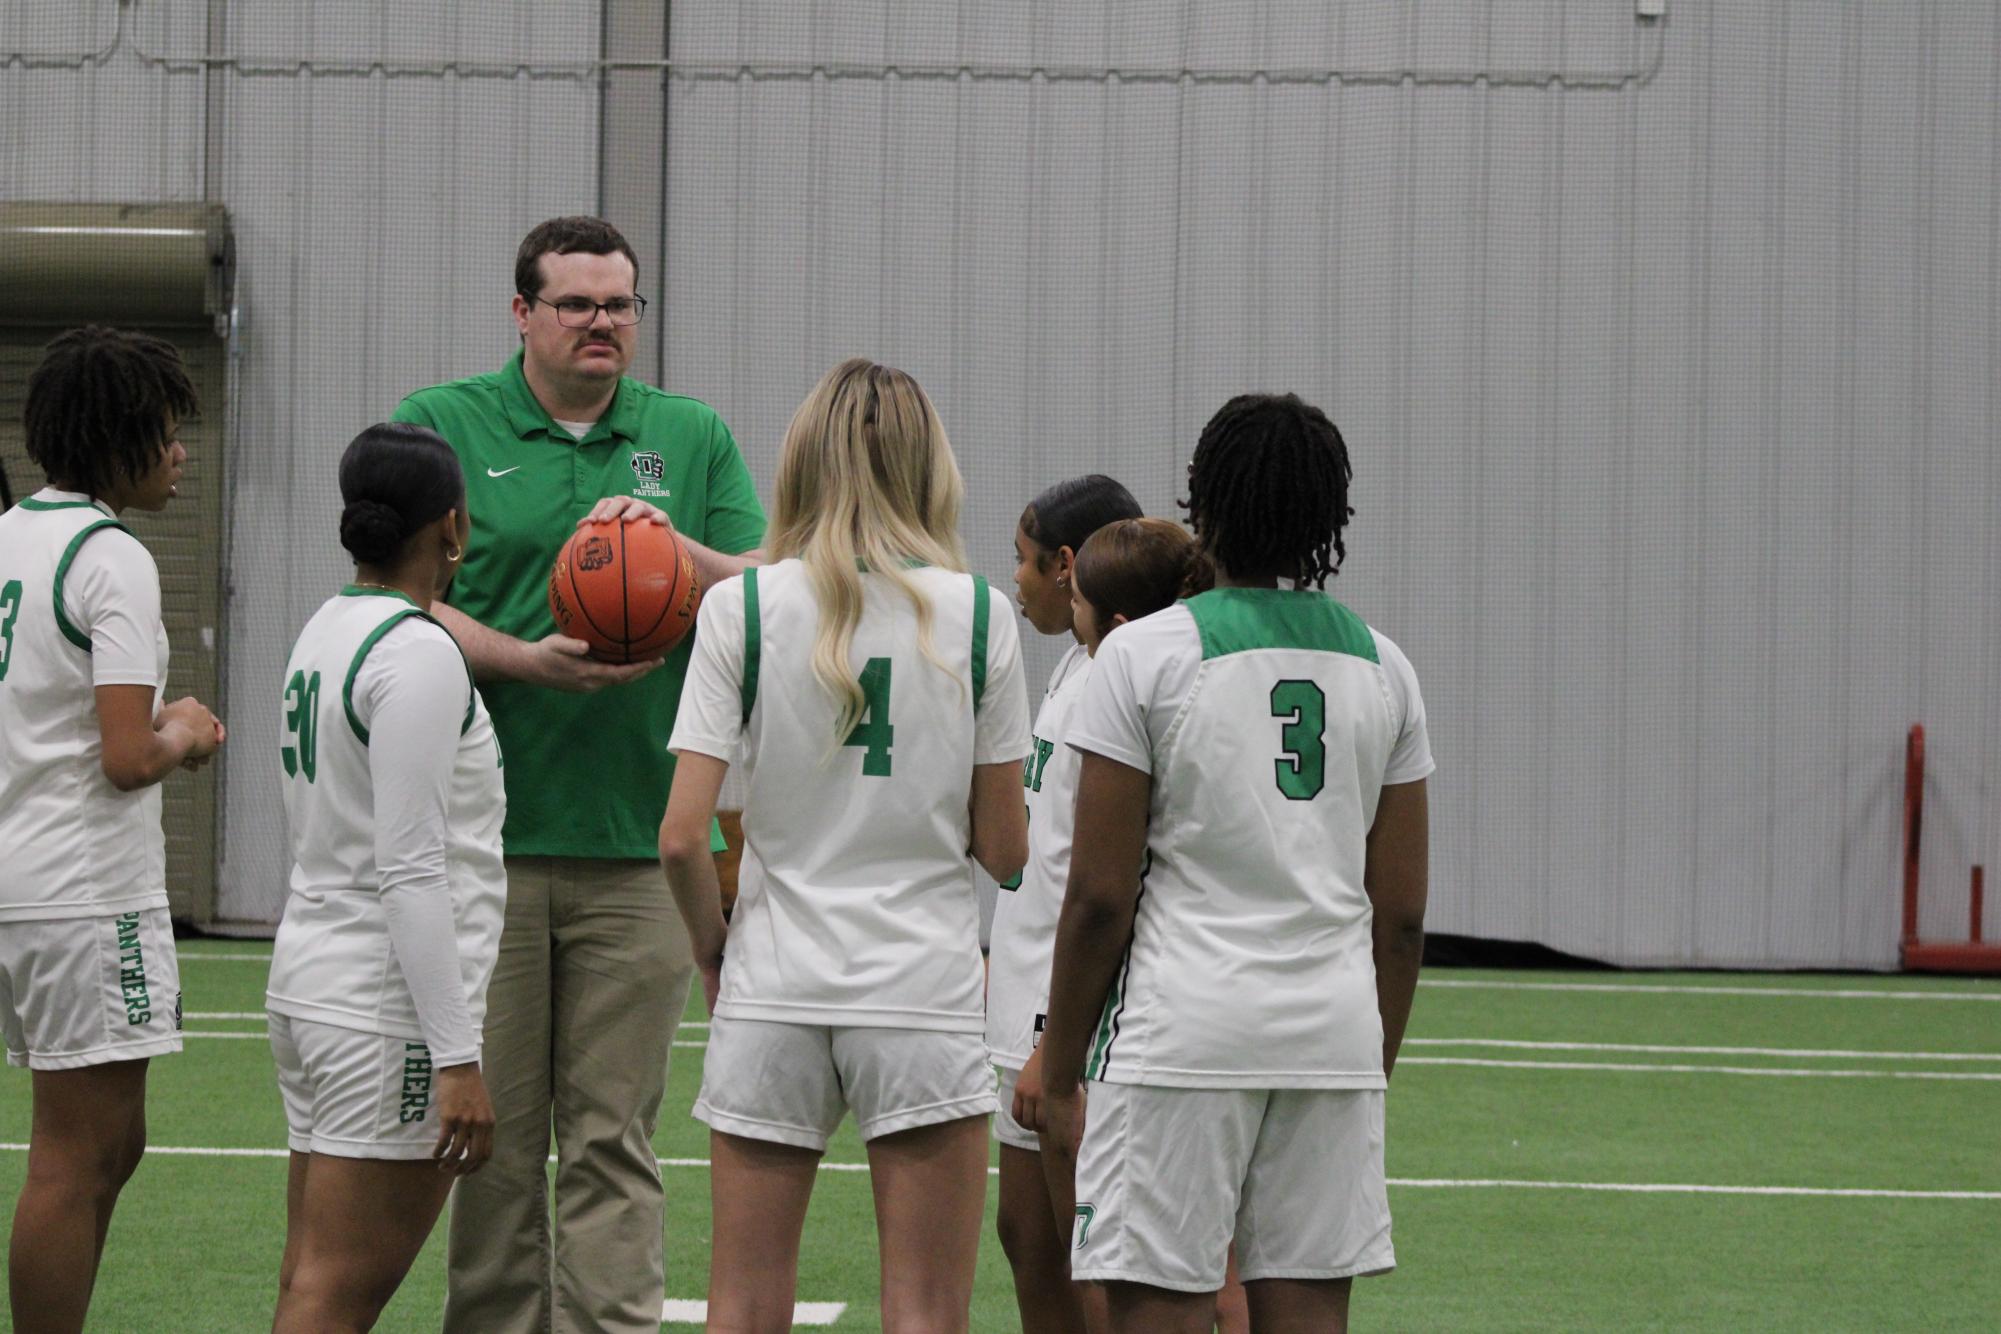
(89, 986)
(1240, 935)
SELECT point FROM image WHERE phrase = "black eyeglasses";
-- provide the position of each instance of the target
(576, 312)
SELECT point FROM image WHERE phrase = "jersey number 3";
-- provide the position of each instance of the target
(1302, 770)
(872, 730)
(302, 713)
(10, 608)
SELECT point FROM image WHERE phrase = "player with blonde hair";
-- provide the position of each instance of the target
(874, 691)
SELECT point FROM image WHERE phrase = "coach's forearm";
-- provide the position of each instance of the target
(712, 566)
(493, 656)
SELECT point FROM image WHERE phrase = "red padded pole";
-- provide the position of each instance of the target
(1973, 931)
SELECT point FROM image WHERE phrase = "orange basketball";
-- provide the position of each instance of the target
(626, 589)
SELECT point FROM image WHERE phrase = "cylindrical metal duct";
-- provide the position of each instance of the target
(139, 265)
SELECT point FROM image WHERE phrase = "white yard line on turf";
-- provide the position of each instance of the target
(262, 1036)
(1672, 1188)
(1634, 988)
(1808, 1052)
(677, 1312)
(1512, 1044)
(1663, 989)
(1423, 1183)
(1627, 1068)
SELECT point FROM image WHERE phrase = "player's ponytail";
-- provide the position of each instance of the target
(866, 481)
(394, 479)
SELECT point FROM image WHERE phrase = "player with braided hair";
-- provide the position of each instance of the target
(1268, 489)
(89, 985)
(1240, 935)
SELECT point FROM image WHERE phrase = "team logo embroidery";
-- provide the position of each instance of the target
(596, 554)
(649, 471)
(1086, 1213)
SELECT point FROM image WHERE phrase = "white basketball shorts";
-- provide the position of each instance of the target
(353, 1094)
(1168, 1177)
(793, 1083)
(77, 991)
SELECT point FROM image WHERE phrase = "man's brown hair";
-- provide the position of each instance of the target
(575, 235)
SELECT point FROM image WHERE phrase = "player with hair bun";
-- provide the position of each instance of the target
(1047, 539)
(391, 777)
(89, 984)
(1240, 936)
(874, 691)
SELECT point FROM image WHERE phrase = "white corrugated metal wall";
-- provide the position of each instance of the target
(376, 220)
(1672, 403)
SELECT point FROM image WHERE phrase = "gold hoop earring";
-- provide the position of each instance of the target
(454, 554)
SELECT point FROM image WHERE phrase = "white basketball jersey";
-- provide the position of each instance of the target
(855, 898)
(333, 962)
(72, 844)
(1024, 930)
(1270, 721)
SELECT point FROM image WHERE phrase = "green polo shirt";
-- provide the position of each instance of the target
(587, 775)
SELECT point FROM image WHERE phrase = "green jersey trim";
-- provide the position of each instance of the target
(1241, 620)
(980, 612)
(358, 591)
(752, 637)
(42, 506)
(389, 623)
(70, 632)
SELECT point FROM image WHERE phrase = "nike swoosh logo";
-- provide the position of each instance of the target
(503, 472)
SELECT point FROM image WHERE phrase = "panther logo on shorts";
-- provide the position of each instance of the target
(1086, 1214)
(596, 554)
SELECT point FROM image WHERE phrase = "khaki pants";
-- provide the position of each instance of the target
(586, 996)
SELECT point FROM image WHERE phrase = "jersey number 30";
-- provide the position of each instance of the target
(302, 713)
(1302, 770)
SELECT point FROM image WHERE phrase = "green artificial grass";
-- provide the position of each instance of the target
(196, 1241)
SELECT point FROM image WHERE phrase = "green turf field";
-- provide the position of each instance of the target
(1548, 1134)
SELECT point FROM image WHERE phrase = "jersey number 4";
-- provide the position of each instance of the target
(10, 608)
(1302, 770)
(302, 713)
(872, 730)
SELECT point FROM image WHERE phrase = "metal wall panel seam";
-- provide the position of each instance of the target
(1772, 409)
(1922, 387)
(1472, 731)
(1845, 249)
(1988, 714)
(1548, 416)
(1699, 332)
